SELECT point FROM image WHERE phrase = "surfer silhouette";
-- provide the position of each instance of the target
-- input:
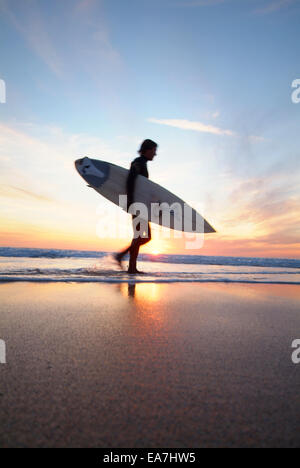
(141, 229)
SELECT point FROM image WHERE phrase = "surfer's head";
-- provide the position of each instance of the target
(148, 149)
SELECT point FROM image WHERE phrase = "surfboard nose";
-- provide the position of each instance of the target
(79, 163)
(94, 172)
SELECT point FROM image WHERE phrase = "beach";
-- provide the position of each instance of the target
(149, 365)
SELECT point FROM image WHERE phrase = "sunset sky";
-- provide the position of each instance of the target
(209, 80)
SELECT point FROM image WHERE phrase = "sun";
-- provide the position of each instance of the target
(156, 248)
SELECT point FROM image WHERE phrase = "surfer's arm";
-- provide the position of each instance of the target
(133, 173)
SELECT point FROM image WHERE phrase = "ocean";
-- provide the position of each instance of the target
(52, 265)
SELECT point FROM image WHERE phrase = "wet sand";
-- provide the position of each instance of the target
(156, 365)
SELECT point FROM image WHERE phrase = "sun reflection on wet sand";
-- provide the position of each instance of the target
(147, 301)
(147, 292)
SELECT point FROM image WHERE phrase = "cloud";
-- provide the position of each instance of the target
(39, 160)
(264, 212)
(196, 126)
(84, 5)
(274, 6)
(82, 29)
(34, 28)
(270, 7)
(10, 191)
(201, 3)
(41, 190)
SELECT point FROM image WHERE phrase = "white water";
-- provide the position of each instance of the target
(79, 266)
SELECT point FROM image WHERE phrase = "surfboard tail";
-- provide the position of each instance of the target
(208, 228)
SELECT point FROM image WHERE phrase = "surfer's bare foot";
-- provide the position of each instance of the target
(135, 272)
(118, 258)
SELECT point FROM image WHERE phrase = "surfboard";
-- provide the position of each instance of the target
(110, 181)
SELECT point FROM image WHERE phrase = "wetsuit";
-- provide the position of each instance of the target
(138, 167)
(142, 231)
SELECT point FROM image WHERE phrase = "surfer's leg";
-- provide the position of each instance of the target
(135, 247)
(119, 256)
(147, 237)
(131, 248)
(134, 251)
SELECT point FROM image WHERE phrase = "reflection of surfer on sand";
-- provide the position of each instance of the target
(131, 290)
(142, 231)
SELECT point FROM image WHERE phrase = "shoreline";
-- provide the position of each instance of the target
(142, 281)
